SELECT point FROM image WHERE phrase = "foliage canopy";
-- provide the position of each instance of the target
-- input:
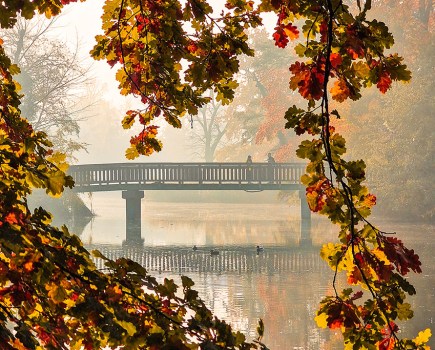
(170, 53)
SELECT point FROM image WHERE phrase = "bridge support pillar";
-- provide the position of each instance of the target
(305, 218)
(133, 217)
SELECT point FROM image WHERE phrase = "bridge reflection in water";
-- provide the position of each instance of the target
(281, 285)
(230, 259)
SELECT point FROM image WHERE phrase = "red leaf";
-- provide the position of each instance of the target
(280, 37)
(401, 257)
(384, 82)
(335, 59)
(308, 79)
(283, 33)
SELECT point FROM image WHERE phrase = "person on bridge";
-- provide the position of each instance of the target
(270, 171)
(249, 169)
(270, 159)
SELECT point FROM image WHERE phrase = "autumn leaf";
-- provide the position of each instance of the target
(336, 60)
(384, 82)
(291, 31)
(340, 92)
(56, 293)
(321, 320)
(423, 337)
(11, 218)
(128, 326)
(55, 183)
(283, 33)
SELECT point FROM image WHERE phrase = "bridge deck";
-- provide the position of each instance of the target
(186, 176)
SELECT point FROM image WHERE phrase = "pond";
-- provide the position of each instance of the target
(282, 283)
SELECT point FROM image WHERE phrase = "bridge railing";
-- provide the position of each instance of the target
(183, 173)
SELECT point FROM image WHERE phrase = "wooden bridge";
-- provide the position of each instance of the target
(186, 176)
(133, 178)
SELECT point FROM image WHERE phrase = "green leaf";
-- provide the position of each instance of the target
(187, 283)
(300, 50)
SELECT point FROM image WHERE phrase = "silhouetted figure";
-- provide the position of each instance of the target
(249, 169)
(259, 249)
(214, 252)
(195, 248)
(270, 170)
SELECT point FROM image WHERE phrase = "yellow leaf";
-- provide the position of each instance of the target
(333, 255)
(36, 311)
(321, 320)
(381, 256)
(59, 159)
(340, 91)
(56, 293)
(33, 180)
(423, 337)
(120, 75)
(76, 344)
(55, 183)
(131, 153)
(361, 69)
(14, 69)
(128, 326)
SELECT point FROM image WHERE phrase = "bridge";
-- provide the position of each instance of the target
(134, 178)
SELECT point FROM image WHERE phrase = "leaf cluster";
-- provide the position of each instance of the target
(169, 65)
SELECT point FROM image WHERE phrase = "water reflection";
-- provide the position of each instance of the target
(282, 284)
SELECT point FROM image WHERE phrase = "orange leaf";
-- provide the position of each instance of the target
(28, 266)
(11, 218)
(291, 31)
(340, 91)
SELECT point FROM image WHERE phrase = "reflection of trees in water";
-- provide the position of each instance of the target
(286, 302)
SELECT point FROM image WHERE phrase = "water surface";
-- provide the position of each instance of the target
(282, 284)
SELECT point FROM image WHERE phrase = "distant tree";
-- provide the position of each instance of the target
(53, 81)
(260, 101)
(404, 129)
(208, 129)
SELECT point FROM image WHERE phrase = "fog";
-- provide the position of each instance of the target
(393, 133)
